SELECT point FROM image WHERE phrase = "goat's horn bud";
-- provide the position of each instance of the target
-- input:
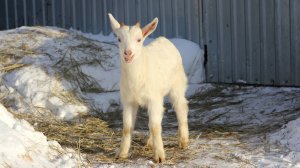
(138, 24)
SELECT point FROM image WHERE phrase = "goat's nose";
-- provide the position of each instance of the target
(127, 52)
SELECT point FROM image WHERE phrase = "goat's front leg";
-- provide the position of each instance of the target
(155, 112)
(129, 117)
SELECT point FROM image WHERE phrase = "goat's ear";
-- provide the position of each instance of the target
(113, 22)
(149, 28)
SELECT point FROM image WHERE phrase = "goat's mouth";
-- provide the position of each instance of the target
(128, 59)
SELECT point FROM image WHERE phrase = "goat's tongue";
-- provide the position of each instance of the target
(127, 60)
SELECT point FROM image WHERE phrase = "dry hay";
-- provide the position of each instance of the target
(11, 67)
(67, 96)
(69, 68)
(94, 138)
(13, 50)
(88, 52)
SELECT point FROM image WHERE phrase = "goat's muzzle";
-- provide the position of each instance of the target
(128, 56)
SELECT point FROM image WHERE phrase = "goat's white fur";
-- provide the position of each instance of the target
(155, 71)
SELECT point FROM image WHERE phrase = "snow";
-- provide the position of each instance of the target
(105, 101)
(39, 89)
(254, 113)
(253, 110)
(289, 137)
(192, 57)
(21, 146)
(69, 72)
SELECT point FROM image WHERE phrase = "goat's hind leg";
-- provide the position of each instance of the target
(129, 117)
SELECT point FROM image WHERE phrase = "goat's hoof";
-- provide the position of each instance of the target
(122, 156)
(160, 157)
(183, 144)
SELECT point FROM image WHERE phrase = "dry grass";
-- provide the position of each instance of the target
(11, 67)
(14, 51)
(93, 133)
(86, 53)
(67, 96)
(94, 138)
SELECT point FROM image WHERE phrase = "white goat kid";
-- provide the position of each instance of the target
(148, 73)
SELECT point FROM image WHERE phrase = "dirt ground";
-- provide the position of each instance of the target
(229, 126)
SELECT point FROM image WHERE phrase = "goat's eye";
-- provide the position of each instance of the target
(119, 40)
(139, 40)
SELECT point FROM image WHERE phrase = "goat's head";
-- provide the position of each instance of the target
(131, 38)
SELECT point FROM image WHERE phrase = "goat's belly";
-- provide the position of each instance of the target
(142, 102)
(144, 94)
(134, 96)
(141, 98)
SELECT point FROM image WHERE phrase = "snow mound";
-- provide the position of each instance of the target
(42, 91)
(289, 136)
(193, 58)
(67, 72)
(21, 146)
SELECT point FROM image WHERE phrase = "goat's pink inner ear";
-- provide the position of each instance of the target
(145, 33)
(149, 29)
